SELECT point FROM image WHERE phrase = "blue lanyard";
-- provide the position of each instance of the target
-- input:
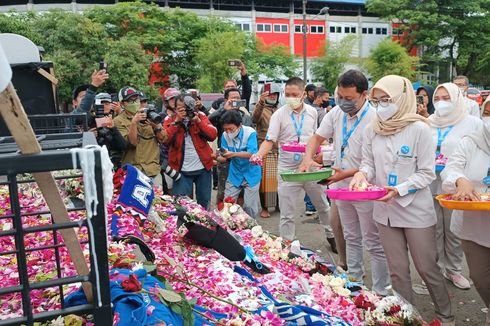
(300, 128)
(441, 137)
(346, 135)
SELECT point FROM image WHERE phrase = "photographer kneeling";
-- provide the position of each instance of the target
(142, 129)
(100, 122)
(189, 132)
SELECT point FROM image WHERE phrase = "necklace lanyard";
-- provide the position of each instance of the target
(240, 145)
(346, 135)
(300, 128)
(441, 137)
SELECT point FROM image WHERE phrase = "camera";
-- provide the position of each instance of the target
(238, 103)
(174, 174)
(152, 114)
(234, 63)
(190, 106)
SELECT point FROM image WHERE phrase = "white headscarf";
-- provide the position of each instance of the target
(400, 89)
(482, 138)
(459, 112)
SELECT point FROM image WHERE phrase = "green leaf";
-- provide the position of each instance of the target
(176, 308)
(192, 301)
(161, 279)
(170, 296)
(149, 267)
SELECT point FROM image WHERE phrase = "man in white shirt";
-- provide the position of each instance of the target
(463, 83)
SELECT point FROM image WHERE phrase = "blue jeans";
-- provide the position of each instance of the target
(202, 180)
(309, 205)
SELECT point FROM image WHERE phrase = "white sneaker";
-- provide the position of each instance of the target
(310, 212)
(458, 280)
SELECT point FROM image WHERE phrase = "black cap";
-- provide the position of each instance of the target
(79, 89)
(143, 97)
(127, 92)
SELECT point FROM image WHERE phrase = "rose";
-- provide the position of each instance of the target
(131, 284)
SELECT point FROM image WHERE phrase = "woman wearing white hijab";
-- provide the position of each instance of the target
(398, 152)
(450, 122)
(467, 175)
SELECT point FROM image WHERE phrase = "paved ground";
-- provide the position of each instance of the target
(467, 304)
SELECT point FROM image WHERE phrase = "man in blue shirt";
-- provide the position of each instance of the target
(238, 143)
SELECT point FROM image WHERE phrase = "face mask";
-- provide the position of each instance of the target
(270, 102)
(293, 102)
(325, 104)
(463, 91)
(347, 106)
(443, 108)
(486, 120)
(132, 107)
(385, 113)
(233, 135)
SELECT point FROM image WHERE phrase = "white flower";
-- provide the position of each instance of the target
(337, 282)
(234, 208)
(257, 231)
(342, 291)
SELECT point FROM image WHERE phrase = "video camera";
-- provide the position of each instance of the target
(190, 106)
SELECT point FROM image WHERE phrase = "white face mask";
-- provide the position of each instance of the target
(385, 113)
(233, 135)
(293, 102)
(443, 108)
(462, 89)
(486, 119)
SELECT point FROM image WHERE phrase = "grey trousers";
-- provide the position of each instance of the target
(478, 258)
(422, 244)
(360, 231)
(338, 232)
(449, 250)
(289, 192)
(251, 200)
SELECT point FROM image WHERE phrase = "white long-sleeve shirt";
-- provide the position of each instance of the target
(409, 155)
(471, 163)
(473, 107)
(465, 127)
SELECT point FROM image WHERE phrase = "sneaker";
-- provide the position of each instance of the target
(310, 212)
(458, 280)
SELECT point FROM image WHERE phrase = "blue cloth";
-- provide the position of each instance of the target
(202, 179)
(241, 168)
(136, 196)
(131, 308)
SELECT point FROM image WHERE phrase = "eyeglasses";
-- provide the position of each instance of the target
(383, 102)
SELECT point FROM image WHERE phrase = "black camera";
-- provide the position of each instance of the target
(190, 106)
(152, 114)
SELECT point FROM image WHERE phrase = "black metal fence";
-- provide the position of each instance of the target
(11, 166)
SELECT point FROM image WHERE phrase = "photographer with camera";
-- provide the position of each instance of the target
(143, 131)
(189, 132)
(231, 83)
(100, 122)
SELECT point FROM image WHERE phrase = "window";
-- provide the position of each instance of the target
(321, 30)
(378, 31)
(364, 30)
(297, 29)
(280, 28)
(339, 29)
(370, 30)
(353, 30)
(346, 30)
(332, 29)
(317, 29)
(243, 26)
(264, 28)
(384, 31)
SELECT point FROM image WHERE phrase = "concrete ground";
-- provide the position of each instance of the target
(467, 305)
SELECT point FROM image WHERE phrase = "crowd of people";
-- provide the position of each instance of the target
(389, 135)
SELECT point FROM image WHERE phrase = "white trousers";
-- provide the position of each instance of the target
(449, 250)
(288, 193)
(360, 229)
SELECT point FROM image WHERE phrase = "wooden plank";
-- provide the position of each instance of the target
(16, 120)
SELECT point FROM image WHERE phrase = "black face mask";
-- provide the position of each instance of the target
(325, 104)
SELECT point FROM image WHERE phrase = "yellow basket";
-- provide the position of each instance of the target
(463, 205)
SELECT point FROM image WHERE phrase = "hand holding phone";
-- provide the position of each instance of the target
(103, 66)
(235, 104)
(234, 63)
(267, 88)
(420, 99)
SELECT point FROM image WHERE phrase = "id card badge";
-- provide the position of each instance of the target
(486, 180)
(297, 157)
(392, 179)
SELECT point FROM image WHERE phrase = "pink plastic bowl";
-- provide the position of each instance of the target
(297, 148)
(345, 194)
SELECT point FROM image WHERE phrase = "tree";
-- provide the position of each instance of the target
(390, 58)
(328, 67)
(452, 31)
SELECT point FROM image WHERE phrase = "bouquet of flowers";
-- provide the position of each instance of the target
(234, 217)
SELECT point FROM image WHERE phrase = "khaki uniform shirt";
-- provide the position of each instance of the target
(282, 130)
(261, 116)
(146, 155)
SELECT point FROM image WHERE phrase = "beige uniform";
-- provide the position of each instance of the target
(473, 227)
(450, 252)
(282, 130)
(356, 216)
(146, 155)
(409, 219)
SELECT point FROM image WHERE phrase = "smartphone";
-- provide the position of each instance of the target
(222, 150)
(238, 104)
(267, 87)
(103, 122)
(234, 63)
(420, 99)
(103, 65)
